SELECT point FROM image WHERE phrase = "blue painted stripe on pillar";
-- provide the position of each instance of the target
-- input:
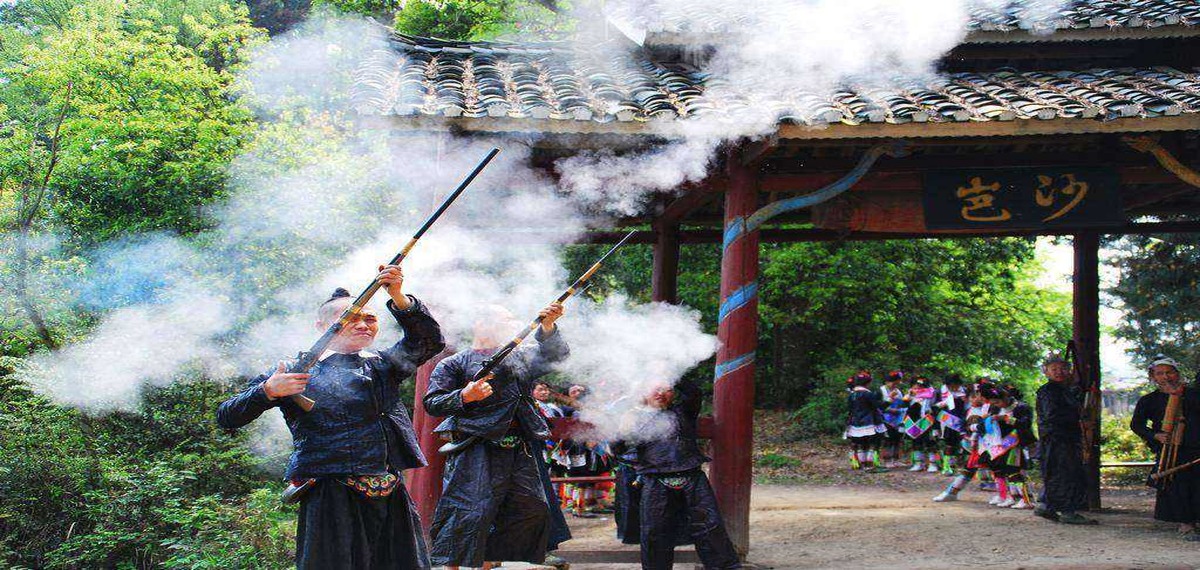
(737, 227)
(737, 299)
(724, 368)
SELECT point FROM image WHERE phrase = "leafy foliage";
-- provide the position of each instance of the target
(1158, 290)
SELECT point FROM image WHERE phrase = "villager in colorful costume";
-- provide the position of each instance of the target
(350, 450)
(1059, 403)
(919, 425)
(1170, 418)
(493, 505)
(864, 423)
(672, 484)
(951, 416)
(559, 531)
(977, 456)
(892, 395)
(1007, 434)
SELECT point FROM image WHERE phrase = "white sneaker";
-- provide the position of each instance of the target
(916, 467)
(995, 500)
(946, 497)
(1022, 504)
(1006, 503)
(933, 468)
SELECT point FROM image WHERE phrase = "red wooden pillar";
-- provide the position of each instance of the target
(425, 484)
(1086, 317)
(733, 391)
(665, 279)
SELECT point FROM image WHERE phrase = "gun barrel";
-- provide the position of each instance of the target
(310, 358)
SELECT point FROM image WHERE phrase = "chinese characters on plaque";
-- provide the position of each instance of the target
(1022, 198)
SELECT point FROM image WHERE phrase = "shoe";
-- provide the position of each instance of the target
(933, 468)
(916, 466)
(946, 497)
(1006, 503)
(557, 562)
(1075, 518)
(1046, 513)
(995, 500)
(1192, 537)
(1021, 504)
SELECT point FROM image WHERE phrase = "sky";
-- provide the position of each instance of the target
(1057, 262)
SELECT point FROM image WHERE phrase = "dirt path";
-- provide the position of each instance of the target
(893, 524)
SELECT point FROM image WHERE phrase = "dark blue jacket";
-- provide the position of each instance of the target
(865, 408)
(512, 390)
(359, 425)
(679, 450)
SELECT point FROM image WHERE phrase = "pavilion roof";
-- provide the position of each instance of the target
(693, 22)
(537, 87)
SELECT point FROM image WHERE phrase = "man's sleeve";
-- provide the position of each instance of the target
(246, 406)
(551, 349)
(1140, 424)
(422, 339)
(444, 395)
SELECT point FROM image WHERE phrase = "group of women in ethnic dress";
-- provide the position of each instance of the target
(986, 431)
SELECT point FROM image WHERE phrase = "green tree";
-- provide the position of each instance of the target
(1159, 294)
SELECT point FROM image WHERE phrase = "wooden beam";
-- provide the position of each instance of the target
(670, 130)
(754, 152)
(665, 273)
(1086, 320)
(786, 235)
(693, 198)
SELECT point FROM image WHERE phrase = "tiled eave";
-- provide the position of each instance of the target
(1019, 127)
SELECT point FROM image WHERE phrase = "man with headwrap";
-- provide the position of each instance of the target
(1178, 497)
(350, 450)
(668, 464)
(1058, 415)
(493, 505)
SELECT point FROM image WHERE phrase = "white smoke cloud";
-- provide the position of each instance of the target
(318, 202)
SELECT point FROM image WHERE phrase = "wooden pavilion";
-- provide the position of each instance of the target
(1084, 131)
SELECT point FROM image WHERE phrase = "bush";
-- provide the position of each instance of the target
(1119, 443)
(158, 487)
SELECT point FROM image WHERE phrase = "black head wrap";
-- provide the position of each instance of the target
(338, 293)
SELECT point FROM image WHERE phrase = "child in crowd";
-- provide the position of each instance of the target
(1008, 434)
(864, 425)
(951, 415)
(977, 457)
(893, 417)
(919, 424)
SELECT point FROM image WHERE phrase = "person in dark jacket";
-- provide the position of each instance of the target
(864, 423)
(1178, 498)
(493, 506)
(672, 484)
(1063, 476)
(353, 446)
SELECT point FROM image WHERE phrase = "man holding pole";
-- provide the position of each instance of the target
(493, 506)
(1058, 416)
(1168, 420)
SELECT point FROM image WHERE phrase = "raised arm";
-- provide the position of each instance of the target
(422, 339)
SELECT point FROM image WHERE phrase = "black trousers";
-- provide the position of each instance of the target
(664, 499)
(493, 508)
(1178, 500)
(340, 528)
(1064, 479)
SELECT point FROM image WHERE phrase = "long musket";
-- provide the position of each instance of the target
(1174, 470)
(305, 360)
(497, 357)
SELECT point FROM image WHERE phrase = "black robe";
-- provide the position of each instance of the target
(1178, 499)
(1063, 474)
(493, 505)
(674, 490)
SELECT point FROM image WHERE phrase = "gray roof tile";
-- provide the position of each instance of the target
(546, 83)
